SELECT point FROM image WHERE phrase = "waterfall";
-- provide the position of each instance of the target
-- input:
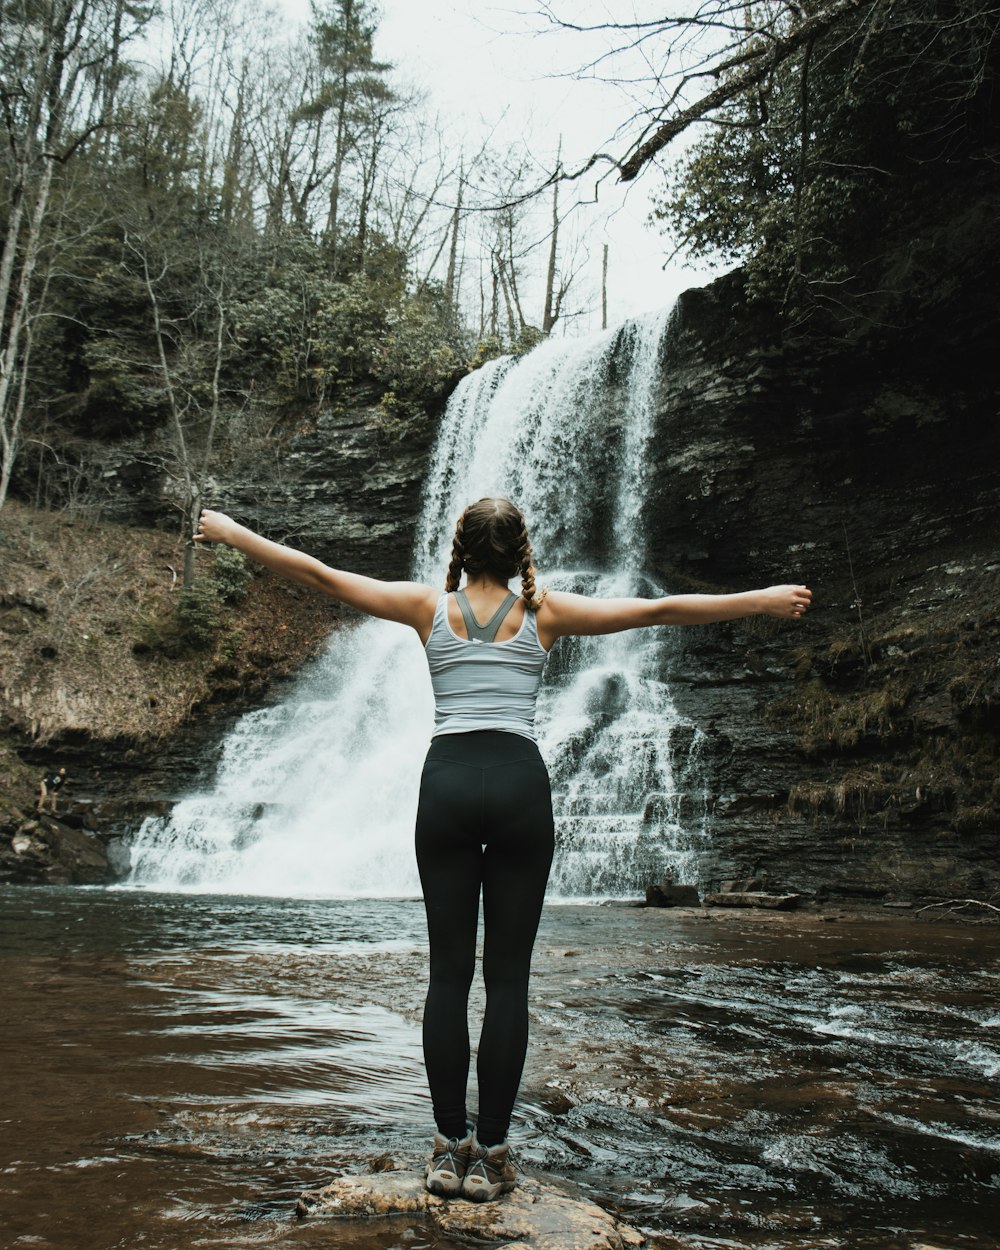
(318, 794)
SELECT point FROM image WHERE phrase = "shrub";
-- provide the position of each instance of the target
(231, 575)
(199, 614)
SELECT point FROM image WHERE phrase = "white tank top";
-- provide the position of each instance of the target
(484, 685)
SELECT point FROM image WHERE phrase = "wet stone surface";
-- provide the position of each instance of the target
(538, 1214)
(179, 1069)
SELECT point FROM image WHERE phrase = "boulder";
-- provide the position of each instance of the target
(538, 1215)
(45, 850)
(667, 894)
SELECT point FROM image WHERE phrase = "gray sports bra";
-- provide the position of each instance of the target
(487, 632)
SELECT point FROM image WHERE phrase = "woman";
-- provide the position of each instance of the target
(484, 815)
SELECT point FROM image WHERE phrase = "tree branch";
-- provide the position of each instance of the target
(762, 64)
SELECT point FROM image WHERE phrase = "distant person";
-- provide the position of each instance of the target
(49, 787)
(484, 815)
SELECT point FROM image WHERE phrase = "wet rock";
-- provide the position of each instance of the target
(749, 885)
(538, 1215)
(667, 894)
(45, 850)
(775, 459)
(776, 902)
(347, 487)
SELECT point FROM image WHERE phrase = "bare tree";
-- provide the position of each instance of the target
(50, 57)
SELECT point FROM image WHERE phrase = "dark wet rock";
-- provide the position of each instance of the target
(667, 894)
(868, 468)
(45, 849)
(538, 1215)
(347, 487)
(753, 898)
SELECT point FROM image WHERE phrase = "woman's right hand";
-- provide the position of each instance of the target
(214, 527)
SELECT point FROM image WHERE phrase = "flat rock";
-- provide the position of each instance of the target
(750, 898)
(538, 1215)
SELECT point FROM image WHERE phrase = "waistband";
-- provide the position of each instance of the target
(484, 748)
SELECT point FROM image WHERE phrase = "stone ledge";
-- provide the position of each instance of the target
(538, 1215)
(753, 898)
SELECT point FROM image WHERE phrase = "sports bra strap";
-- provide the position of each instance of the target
(487, 632)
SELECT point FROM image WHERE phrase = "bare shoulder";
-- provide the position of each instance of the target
(555, 614)
(556, 604)
(426, 596)
(424, 600)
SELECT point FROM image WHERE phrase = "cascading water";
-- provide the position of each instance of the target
(318, 795)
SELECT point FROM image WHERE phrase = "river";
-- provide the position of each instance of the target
(179, 1066)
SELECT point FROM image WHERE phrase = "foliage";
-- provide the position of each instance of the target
(231, 575)
(812, 175)
(198, 615)
(215, 250)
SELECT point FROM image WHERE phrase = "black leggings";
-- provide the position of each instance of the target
(484, 819)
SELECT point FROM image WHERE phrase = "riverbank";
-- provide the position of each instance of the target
(183, 1067)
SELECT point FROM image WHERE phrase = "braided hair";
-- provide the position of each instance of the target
(491, 537)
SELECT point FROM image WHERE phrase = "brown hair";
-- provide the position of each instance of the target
(491, 537)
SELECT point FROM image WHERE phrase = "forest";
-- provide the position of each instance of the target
(212, 224)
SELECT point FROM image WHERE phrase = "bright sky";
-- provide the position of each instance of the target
(485, 67)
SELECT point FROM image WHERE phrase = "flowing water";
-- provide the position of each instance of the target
(318, 794)
(179, 1067)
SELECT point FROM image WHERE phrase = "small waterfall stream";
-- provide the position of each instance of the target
(317, 795)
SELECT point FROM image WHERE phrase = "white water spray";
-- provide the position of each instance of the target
(318, 795)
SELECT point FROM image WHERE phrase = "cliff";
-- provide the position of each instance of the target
(857, 752)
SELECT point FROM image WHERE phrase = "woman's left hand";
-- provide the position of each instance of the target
(789, 601)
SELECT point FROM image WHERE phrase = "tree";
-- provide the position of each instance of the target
(812, 119)
(52, 55)
(351, 81)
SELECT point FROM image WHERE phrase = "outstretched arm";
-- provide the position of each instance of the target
(410, 603)
(564, 613)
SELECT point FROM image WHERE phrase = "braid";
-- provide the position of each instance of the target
(457, 557)
(532, 600)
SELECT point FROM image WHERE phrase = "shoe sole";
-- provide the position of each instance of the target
(449, 1188)
(487, 1193)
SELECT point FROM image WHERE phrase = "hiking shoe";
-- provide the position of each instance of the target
(446, 1167)
(489, 1172)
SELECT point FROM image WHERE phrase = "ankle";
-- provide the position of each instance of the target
(462, 1131)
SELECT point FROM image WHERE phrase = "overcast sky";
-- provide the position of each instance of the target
(486, 67)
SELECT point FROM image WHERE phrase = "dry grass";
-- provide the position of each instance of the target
(78, 600)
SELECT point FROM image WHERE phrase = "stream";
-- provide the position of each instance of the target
(178, 1067)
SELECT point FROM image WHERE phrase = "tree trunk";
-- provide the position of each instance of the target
(548, 320)
(450, 285)
(10, 422)
(604, 289)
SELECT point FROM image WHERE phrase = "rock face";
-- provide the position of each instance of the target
(855, 751)
(347, 489)
(538, 1214)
